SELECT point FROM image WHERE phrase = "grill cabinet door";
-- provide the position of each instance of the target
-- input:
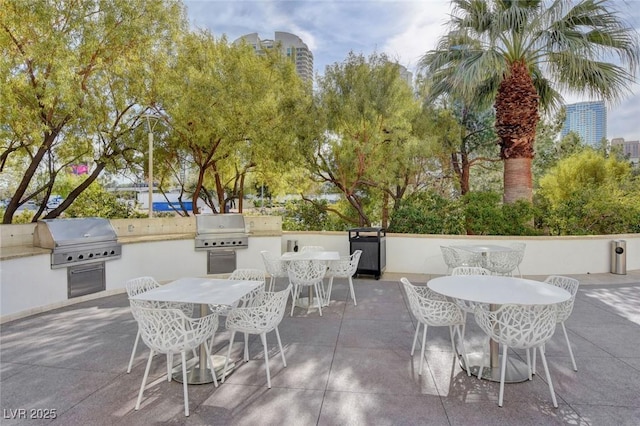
(221, 261)
(85, 279)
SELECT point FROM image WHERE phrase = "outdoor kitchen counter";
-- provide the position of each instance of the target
(14, 252)
(156, 237)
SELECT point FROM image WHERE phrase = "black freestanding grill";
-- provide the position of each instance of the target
(373, 243)
(81, 245)
(220, 235)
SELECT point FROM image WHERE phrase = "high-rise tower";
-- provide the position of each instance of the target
(290, 44)
(588, 120)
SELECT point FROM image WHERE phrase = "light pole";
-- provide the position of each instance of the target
(150, 130)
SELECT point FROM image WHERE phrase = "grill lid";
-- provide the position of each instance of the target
(221, 231)
(77, 241)
(228, 223)
(57, 233)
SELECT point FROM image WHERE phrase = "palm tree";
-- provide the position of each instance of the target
(521, 54)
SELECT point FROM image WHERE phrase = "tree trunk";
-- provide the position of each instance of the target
(517, 171)
(516, 120)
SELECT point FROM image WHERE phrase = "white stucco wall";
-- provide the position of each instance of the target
(28, 285)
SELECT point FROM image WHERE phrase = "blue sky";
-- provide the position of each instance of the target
(404, 30)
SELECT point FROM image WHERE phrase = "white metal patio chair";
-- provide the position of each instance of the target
(457, 257)
(139, 285)
(242, 274)
(520, 248)
(170, 331)
(519, 327)
(261, 316)
(503, 262)
(467, 306)
(432, 309)
(307, 273)
(564, 309)
(275, 267)
(343, 268)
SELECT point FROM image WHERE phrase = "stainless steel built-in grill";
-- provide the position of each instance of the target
(220, 235)
(77, 241)
(82, 245)
(221, 231)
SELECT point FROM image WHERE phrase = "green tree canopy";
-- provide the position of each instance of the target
(73, 74)
(523, 54)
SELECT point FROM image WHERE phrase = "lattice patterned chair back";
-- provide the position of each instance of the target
(433, 309)
(274, 266)
(503, 262)
(346, 267)
(569, 284)
(243, 274)
(519, 327)
(305, 273)
(470, 270)
(140, 285)
(564, 308)
(261, 318)
(170, 331)
(457, 257)
(466, 305)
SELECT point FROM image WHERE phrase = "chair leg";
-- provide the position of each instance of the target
(184, 384)
(353, 293)
(415, 338)
(169, 366)
(529, 363)
(460, 330)
(294, 296)
(546, 372)
(144, 379)
(329, 288)
(453, 345)
(503, 371)
(566, 337)
(263, 337)
(318, 297)
(284, 361)
(484, 355)
(133, 352)
(424, 343)
(533, 362)
(272, 281)
(246, 347)
(226, 361)
(213, 370)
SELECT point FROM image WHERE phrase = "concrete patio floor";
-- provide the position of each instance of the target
(349, 367)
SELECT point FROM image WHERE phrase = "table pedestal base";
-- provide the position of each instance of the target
(516, 372)
(200, 376)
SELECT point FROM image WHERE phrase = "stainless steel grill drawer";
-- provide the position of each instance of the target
(85, 279)
(221, 261)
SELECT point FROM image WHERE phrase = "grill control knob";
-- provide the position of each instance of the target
(69, 258)
(113, 252)
(81, 256)
(105, 253)
(90, 255)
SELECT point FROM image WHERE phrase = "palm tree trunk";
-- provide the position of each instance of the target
(517, 171)
(516, 120)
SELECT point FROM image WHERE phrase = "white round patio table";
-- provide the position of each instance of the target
(495, 291)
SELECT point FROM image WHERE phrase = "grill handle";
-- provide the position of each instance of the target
(83, 271)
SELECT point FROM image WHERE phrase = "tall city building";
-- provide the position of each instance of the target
(588, 120)
(630, 149)
(290, 44)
